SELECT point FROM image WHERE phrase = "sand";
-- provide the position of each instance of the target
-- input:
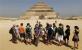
(5, 44)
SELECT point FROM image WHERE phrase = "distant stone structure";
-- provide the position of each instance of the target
(40, 10)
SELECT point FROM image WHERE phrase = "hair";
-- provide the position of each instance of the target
(67, 26)
(17, 25)
(47, 24)
(13, 25)
(76, 27)
(60, 24)
(21, 24)
(28, 24)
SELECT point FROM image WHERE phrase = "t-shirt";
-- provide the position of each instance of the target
(67, 32)
(60, 31)
(28, 29)
(17, 29)
(21, 29)
(50, 31)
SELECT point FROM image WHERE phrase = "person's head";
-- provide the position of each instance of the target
(17, 25)
(50, 25)
(36, 25)
(67, 26)
(21, 24)
(13, 25)
(54, 25)
(47, 24)
(60, 25)
(28, 24)
(76, 27)
(37, 21)
(40, 25)
(55, 21)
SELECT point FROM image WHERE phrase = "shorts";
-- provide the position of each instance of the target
(66, 37)
(60, 38)
(22, 35)
(28, 36)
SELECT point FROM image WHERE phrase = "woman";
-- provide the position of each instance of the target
(76, 37)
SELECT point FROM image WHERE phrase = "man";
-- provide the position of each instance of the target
(22, 32)
(12, 31)
(17, 31)
(54, 31)
(60, 34)
(28, 35)
(67, 34)
(49, 34)
(36, 35)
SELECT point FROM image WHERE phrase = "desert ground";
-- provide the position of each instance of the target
(5, 44)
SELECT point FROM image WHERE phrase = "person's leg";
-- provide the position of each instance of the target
(67, 40)
(50, 39)
(14, 39)
(30, 41)
(11, 38)
(54, 35)
(26, 41)
(47, 39)
(36, 41)
(29, 38)
(74, 45)
(20, 37)
(59, 39)
(77, 45)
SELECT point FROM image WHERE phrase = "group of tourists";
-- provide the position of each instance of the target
(48, 34)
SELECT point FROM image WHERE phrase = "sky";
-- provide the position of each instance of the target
(15, 8)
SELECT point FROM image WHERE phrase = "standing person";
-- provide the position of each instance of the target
(41, 29)
(76, 37)
(45, 33)
(67, 34)
(17, 31)
(54, 31)
(12, 31)
(36, 35)
(22, 32)
(28, 34)
(49, 34)
(46, 28)
(60, 34)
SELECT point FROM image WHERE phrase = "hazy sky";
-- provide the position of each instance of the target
(15, 8)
